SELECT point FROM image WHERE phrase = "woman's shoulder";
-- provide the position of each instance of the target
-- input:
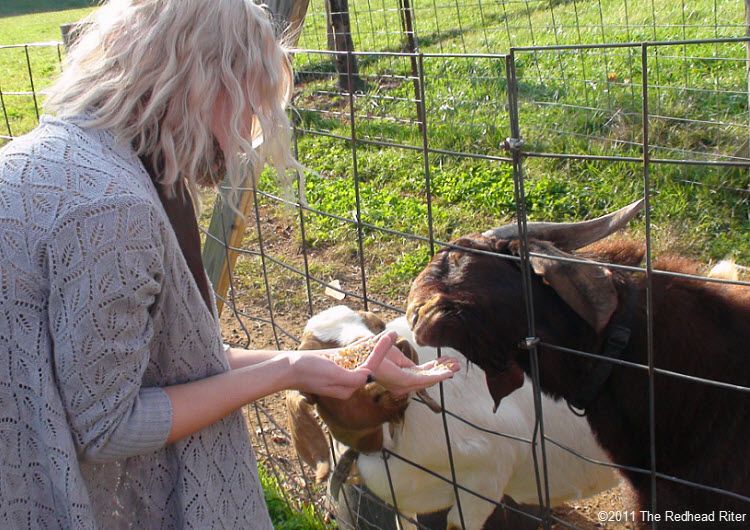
(61, 167)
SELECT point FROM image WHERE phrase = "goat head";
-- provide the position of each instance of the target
(470, 296)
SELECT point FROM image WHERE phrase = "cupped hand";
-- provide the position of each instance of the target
(316, 372)
(396, 372)
(404, 379)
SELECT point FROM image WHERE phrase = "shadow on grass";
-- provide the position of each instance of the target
(10, 8)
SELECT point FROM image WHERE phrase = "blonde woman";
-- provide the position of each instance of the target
(118, 402)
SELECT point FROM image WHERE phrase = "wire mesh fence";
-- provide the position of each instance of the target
(25, 69)
(487, 27)
(495, 110)
(505, 119)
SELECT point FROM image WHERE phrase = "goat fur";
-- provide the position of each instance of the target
(470, 301)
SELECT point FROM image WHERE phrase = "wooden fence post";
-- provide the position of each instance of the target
(289, 16)
(69, 33)
(346, 66)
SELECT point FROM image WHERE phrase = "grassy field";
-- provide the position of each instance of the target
(25, 22)
(576, 102)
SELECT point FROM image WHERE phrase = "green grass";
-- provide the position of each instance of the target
(24, 22)
(283, 516)
(575, 102)
(25, 7)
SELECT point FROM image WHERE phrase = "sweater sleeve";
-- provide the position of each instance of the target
(105, 266)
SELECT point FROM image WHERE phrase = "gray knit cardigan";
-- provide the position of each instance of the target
(98, 311)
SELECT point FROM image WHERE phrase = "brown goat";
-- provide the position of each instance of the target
(473, 301)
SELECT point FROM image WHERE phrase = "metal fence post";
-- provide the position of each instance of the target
(426, 155)
(350, 62)
(649, 284)
(514, 144)
(412, 46)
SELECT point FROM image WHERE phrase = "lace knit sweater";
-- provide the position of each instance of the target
(98, 310)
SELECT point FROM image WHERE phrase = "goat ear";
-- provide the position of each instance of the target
(587, 289)
(309, 341)
(308, 437)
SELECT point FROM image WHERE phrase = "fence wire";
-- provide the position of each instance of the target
(616, 103)
(504, 94)
(489, 26)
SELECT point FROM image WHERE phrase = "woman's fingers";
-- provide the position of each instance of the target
(402, 380)
(390, 367)
(398, 358)
(448, 362)
(423, 380)
(380, 351)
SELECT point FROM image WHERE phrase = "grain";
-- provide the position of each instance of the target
(354, 355)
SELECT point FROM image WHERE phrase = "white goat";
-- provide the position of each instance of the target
(488, 464)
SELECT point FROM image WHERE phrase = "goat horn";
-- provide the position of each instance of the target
(571, 236)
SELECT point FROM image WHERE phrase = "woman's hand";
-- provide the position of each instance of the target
(391, 368)
(317, 373)
(408, 377)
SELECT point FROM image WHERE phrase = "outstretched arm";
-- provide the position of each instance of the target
(256, 374)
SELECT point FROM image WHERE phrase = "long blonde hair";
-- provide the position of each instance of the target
(150, 71)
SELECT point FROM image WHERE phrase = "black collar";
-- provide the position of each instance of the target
(618, 338)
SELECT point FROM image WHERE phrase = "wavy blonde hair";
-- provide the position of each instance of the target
(150, 71)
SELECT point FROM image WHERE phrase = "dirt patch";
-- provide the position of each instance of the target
(585, 514)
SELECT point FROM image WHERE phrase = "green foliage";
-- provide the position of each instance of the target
(283, 516)
(37, 7)
(570, 102)
(573, 102)
(396, 278)
(23, 22)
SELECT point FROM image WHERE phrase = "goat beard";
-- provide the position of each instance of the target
(501, 384)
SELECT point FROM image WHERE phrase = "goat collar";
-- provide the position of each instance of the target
(617, 341)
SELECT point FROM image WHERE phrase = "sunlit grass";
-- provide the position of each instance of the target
(579, 102)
